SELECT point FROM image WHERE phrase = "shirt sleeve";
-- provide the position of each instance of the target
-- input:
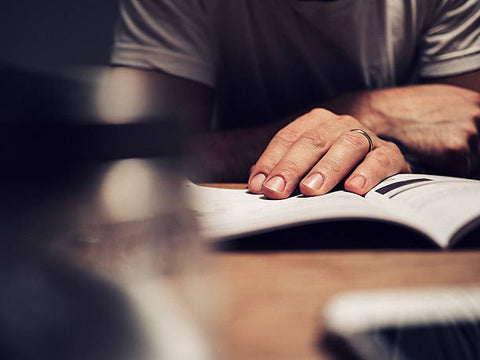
(168, 35)
(451, 44)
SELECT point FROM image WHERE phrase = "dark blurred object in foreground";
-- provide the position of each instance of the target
(95, 235)
(51, 310)
(53, 120)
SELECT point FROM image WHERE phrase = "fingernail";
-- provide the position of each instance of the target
(314, 181)
(257, 182)
(276, 184)
(358, 181)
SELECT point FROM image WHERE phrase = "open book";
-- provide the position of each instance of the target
(441, 210)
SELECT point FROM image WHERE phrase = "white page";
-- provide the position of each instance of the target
(226, 213)
(437, 205)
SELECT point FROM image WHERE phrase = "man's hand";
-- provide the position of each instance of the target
(318, 150)
(438, 123)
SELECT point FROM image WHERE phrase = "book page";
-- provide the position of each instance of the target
(439, 206)
(226, 213)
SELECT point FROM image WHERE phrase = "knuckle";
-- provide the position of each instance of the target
(394, 150)
(319, 112)
(333, 165)
(395, 155)
(289, 169)
(316, 137)
(354, 140)
(382, 158)
(287, 136)
(267, 162)
(348, 119)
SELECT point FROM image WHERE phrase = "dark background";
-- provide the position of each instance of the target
(56, 33)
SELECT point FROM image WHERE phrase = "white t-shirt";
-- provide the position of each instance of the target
(270, 58)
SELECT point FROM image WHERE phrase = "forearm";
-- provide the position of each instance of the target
(228, 155)
(436, 122)
(385, 111)
(391, 111)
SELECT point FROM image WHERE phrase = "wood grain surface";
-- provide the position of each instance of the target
(275, 300)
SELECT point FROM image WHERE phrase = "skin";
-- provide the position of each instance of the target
(315, 151)
(438, 122)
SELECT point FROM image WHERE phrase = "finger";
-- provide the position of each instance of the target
(384, 161)
(275, 151)
(304, 154)
(343, 156)
(280, 145)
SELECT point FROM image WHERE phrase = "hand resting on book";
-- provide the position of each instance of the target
(316, 151)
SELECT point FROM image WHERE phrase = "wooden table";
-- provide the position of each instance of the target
(276, 299)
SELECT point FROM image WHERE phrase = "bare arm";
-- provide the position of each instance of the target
(396, 112)
(438, 121)
(213, 155)
(229, 155)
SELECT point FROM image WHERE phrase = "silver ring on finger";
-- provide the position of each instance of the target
(364, 133)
